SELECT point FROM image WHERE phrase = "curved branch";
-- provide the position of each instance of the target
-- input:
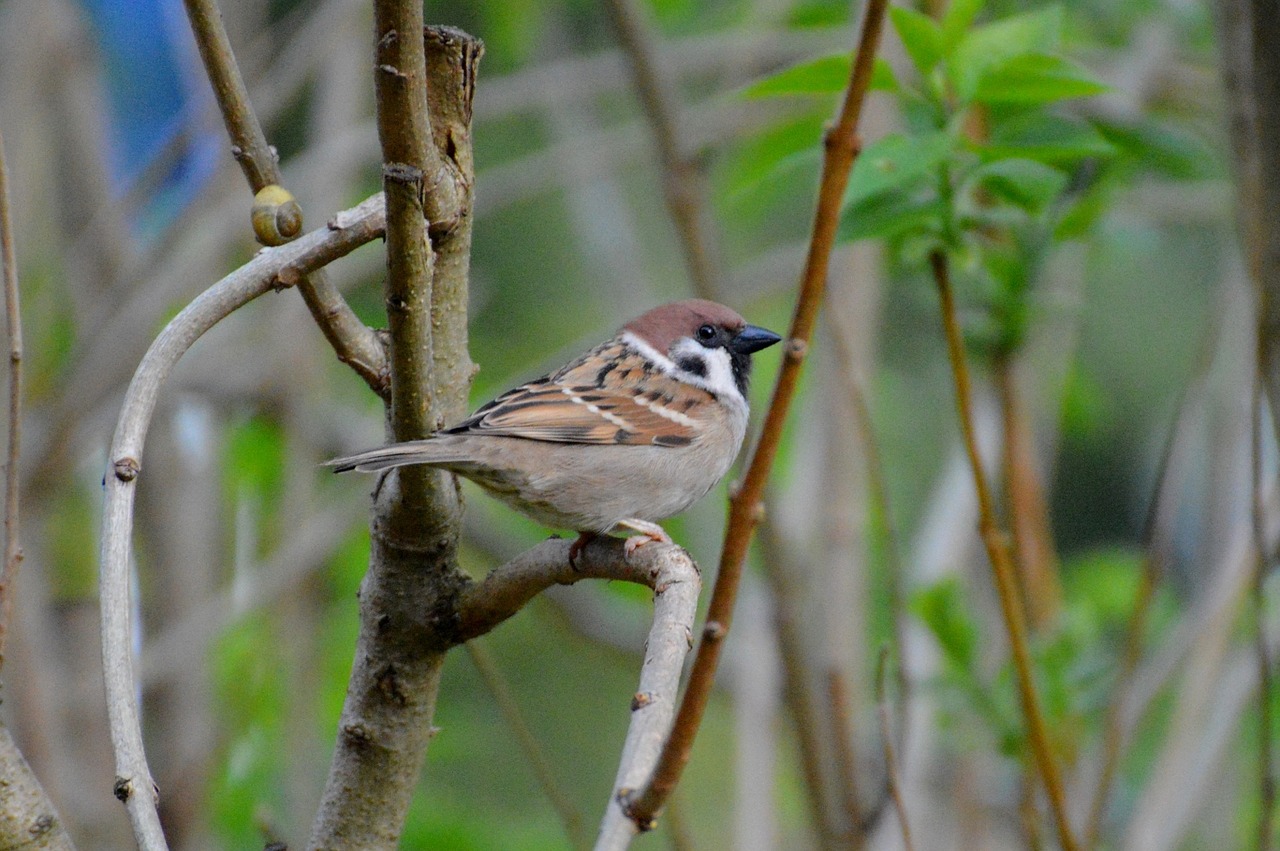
(841, 146)
(272, 268)
(355, 344)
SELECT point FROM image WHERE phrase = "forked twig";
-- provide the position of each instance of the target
(355, 344)
(841, 146)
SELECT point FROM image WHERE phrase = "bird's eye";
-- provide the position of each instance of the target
(706, 333)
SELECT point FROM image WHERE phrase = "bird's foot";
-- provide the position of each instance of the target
(649, 532)
(576, 548)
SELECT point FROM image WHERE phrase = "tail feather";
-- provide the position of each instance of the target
(429, 451)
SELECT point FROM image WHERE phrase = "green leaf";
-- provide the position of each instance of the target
(996, 43)
(1047, 138)
(942, 609)
(959, 17)
(895, 162)
(778, 148)
(1035, 78)
(824, 75)
(1029, 184)
(1163, 149)
(920, 36)
(891, 215)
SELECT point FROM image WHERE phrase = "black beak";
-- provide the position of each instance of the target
(752, 339)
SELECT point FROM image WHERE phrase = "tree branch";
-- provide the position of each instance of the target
(272, 268)
(409, 595)
(841, 146)
(12, 479)
(276, 216)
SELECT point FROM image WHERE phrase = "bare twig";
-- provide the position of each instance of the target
(270, 269)
(1001, 565)
(886, 742)
(355, 344)
(498, 687)
(841, 147)
(13, 329)
(684, 184)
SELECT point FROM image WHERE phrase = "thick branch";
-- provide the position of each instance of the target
(841, 148)
(408, 596)
(13, 329)
(355, 344)
(271, 269)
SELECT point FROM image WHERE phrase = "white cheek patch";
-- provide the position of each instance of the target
(659, 359)
(716, 365)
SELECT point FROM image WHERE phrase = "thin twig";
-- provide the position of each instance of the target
(886, 742)
(355, 344)
(271, 269)
(684, 184)
(500, 690)
(1002, 568)
(841, 146)
(1262, 555)
(13, 328)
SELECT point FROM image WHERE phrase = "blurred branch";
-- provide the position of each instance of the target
(27, 815)
(1263, 556)
(272, 268)
(409, 593)
(1162, 511)
(886, 742)
(498, 687)
(355, 344)
(841, 146)
(684, 183)
(1001, 565)
(1034, 559)
(12, 473)
(1248, 33)
(28, 820)
(845, 757)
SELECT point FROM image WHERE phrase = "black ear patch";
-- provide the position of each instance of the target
(693, 365)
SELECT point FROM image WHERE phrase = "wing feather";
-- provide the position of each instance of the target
(612, 395)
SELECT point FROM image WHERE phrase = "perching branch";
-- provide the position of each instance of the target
(13, 329)
(276, 216)
(684, 184)
(841, 146)
(409, 594)
(1001, 565)
(272, 268)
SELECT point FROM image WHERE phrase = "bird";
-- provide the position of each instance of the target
(634, 431)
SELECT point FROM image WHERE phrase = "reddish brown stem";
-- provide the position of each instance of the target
(841, 146)
(996, 544)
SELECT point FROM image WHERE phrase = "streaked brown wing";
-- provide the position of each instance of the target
(578, 405)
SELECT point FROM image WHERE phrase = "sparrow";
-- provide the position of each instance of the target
(632, 432)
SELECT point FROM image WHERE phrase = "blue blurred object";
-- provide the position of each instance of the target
(156, 93)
